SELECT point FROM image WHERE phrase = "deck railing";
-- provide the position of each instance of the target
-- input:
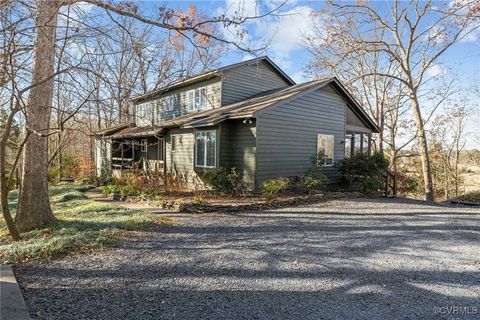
(390, 184)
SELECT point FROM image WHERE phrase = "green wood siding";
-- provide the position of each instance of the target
(287, 134)
(159, 109)
(103, 157)
(182, 158)
(247, 80)
(238, 147)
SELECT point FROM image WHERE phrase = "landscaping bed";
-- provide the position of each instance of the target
(471, 198)
(82, 225)
(209, 202)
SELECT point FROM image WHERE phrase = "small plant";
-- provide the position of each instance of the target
(364, 171)
(199, 200)
(314, 177)
(224, 180)
(218, 179)
(271, 188)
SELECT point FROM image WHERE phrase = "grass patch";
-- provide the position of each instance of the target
(82, 225)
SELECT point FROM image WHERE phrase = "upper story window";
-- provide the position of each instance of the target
(197, 99)
(170, 101)
(144, 112)
(325, 147)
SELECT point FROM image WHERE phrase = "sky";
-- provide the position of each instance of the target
(285, 48)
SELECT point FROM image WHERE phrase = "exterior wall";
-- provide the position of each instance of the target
(158, 107)
(182, 159)
(287, 134)
(103, 157)
(354, 121)
(238, 144)
(247, 80)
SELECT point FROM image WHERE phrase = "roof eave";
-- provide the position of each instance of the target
(175, 85)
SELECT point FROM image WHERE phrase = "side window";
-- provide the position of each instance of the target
(325, 148)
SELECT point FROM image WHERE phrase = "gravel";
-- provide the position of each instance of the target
(344, 259)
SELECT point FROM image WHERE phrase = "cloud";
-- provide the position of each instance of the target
(435, 71)
(282, 33)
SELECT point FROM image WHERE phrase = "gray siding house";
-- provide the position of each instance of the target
(248, 115)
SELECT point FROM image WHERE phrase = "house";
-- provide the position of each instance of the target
(249, 115)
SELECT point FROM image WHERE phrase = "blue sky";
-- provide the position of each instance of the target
(462, 61)
(285, 34)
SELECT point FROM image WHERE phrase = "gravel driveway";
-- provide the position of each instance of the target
(349, 259)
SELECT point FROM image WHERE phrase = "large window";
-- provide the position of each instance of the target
(206, 149)
(197, 99)
(348, 146)
(325, 148)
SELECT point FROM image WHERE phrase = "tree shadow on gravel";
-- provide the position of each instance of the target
(262, 266)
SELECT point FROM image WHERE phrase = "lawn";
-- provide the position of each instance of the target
(82, 225)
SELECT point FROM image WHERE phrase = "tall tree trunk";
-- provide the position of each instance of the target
(34, 206)
(4, 187)
(423, 149)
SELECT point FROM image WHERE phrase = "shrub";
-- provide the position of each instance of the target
(227, 181)
(271, 188)
(365, 171)
(134, 184)
(218, 180)
(198, 200)
(472, 196)
(52, 174)
(314, 177)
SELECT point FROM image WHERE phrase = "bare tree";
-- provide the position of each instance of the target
(197, 29)
(414, 36)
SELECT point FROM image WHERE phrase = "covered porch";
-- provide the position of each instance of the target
(358, 141)
(138, 149)
(145, 154)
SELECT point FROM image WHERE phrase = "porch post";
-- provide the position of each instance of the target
(369, 144)
(164, 157)
(133, 155)
(352, 144)
(361, 143)
(146, 156)
(121, 167)
(159, 147)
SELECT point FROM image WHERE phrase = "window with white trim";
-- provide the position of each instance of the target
(206, 149)
(169, 101)
(201, 98)
(197, 99)
(325, 148)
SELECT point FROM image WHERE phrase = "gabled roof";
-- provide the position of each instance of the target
(252, 107)
(211, 74)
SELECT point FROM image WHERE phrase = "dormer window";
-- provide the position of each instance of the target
(197, 99)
